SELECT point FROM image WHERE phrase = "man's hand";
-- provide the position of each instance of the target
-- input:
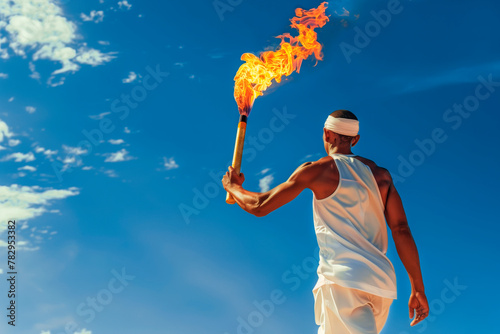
(418, 304)
(232, 178)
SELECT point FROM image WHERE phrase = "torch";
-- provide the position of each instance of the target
(238, 150)
(258, 73)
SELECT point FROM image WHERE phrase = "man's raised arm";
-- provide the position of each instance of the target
(407, 251)
(261, 204)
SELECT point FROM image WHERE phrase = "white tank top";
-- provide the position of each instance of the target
(352, 234)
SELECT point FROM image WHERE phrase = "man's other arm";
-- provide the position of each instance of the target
(407, 251)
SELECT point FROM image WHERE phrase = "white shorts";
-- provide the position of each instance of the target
(340, 310)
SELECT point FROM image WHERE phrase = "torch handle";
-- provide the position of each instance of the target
(238, 151)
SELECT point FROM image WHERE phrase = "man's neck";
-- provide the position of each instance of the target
(340, 150)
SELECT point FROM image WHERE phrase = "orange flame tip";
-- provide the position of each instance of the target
(257, 73)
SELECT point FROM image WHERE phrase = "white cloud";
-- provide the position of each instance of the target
(83, 331)
(122, 155)
(4, 131)
(100, 116)
(47, 153)
(265, 183)
(87, 168)
(169, 163)
(72, 158)
(11, 99)
(103, 42)
(96, 16)
(109, 172)
(20, 157)
(28, 168)
(40, 26)
(3, 75)
(34, 74)
(125, 4)
(51, 83)
(74, 150)
(264, 171)
(126, 130)
(14, 142)
(132, 76)
(116, 141)
(93, 57)
(30, 109)
(24, 203)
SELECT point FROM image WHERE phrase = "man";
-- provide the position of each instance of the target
(353, 198)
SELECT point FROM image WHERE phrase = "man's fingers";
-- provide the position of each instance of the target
(420, 316)
(412, 312)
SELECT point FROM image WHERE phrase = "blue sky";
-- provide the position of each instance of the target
(131, 234)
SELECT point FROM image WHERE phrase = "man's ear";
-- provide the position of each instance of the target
(326, 135)
(355, 141)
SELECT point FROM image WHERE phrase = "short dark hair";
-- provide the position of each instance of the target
(343, 114)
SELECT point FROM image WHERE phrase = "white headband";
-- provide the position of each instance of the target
(342, 126)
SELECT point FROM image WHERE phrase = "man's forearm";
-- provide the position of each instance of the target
(247, 200)
(408, 253)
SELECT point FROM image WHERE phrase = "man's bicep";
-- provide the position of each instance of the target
(280, 195)
(394, 210)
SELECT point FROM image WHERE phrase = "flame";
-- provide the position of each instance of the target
(257, 73)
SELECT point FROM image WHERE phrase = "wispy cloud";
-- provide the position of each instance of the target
(40, 26)
(46, 152)
(132, 76)
(95, 16)
(265, 183)
(100, 116)
(20, 157)
(27, 168)
(124, 4)
(4, 75)
(169, 163)
(453, 76)
(30, 109)
(264, 171)
(24, 203)
(4, 131)
(109, 172)
(93, 57)
(116, 141)
(122, 155)
(73, 150)
(14, 142)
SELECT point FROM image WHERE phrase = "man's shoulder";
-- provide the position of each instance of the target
(379, 172)
(311, 169)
